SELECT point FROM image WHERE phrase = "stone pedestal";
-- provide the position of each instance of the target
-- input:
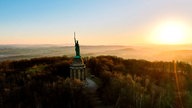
(78, 69)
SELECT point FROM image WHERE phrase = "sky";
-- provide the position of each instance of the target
(96, 22)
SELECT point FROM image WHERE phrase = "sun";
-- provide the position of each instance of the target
(170, 32)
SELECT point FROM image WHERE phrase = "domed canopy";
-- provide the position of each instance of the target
(77, 61)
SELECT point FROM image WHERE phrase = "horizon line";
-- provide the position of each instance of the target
(70, 44)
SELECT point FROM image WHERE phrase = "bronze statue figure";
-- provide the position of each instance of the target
(77, 49)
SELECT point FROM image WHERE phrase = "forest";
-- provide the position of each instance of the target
(122, 83)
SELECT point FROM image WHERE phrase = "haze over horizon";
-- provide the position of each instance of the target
(96, 22)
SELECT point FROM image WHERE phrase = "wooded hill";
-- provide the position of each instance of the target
(123, 83)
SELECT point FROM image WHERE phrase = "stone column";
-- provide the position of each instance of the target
(81, 75)
(72, 74)
(76, 73)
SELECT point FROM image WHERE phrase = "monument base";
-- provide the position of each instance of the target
(78, 69)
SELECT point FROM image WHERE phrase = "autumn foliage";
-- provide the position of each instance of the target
(124, 83)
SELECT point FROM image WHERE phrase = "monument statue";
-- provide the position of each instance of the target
(77, 48)
(77, 67)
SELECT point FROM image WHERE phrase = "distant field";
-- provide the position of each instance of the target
(152, 53)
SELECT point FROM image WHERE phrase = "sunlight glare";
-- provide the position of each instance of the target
(171, 32)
